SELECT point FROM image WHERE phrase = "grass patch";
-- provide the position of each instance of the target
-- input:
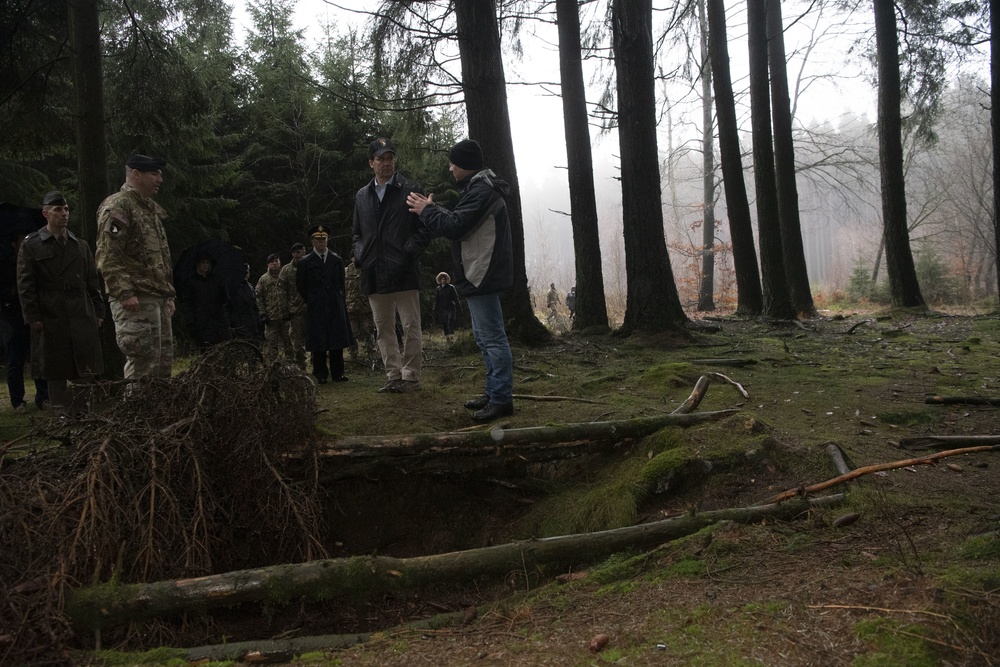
(896, 645)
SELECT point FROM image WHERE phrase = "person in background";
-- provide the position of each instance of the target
(552, 301)
(320, 281)
(16, 333)
(482, 251)
(446, 305)
(272, 301)
(244, 317)
(134, 259)
(205, 305)
(571, 301)
(62, 303)
(296, 306)
(388, 240)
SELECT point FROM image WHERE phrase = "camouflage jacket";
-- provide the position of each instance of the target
(296, 304)
(132, 251)
(271, 299)
(357, 302)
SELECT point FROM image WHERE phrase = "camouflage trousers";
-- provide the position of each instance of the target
(145, 337)
(298, 332)
(278, 339)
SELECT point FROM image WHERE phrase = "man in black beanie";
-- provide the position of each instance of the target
(484, 266)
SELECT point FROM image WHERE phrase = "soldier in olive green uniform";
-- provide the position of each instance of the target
(296, 305)
(273, 306)
(133, 256)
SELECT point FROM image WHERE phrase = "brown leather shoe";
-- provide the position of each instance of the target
(406, 386)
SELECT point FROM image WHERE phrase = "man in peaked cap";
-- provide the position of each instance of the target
(61, 301)
(388, 240)
(134, 258)
(319, 278)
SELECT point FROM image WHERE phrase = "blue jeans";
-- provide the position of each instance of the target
(487, 328)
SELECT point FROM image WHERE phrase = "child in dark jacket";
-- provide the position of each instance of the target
(446, 305)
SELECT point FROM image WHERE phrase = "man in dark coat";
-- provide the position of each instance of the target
(61, 301)
(319, 278)
(484, 266)
(388, 240)
(16, 334)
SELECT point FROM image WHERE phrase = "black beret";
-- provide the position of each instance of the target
(53, 198)
(297, 246)
(145, 163)
(273, 256)
(380, 146)
(467, 154)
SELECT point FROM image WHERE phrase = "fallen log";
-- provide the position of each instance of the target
(725, 362)
(867, 470)
(938, 441)
(114, 604)
(284, 650)
(962, 400)
(466, 450)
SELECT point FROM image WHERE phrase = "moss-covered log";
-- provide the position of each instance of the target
(466, 450)
(110, 605)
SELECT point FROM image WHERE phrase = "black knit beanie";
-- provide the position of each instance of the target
(467, 154)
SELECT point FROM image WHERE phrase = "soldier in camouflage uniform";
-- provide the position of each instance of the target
(360, 312)
(133, 256)
(296, 305)
(273, 305)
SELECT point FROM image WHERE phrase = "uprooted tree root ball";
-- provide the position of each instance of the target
(177, 477)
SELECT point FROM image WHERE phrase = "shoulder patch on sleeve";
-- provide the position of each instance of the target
(116, 224)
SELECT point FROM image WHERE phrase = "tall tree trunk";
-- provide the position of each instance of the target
(591, 308)
(706, 292)
(652, 302)
(91, 143)
(796, 272)
(903, 285)
(489, 123)
(749, 299)
(772, 260)
(995, 125)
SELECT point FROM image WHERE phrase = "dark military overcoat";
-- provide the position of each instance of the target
(322, 287)
(59, 287)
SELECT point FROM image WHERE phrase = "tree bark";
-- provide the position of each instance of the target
(485, 90)
(750, 301)
(772, 260)
(706, 290)
(899, 264)
(995, 125)
(652, 302)
(796, 271)
(109, 605)
(591, 307)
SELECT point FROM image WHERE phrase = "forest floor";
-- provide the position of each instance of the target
(914, 579)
